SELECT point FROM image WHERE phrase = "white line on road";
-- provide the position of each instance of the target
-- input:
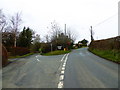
(62, 72)
(66, 58)
(38, 60)
(63, 68)
(61, 78)
(63, 65)
(60, 84)
(63, 57)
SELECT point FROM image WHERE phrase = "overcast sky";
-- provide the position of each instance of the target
(79, 15)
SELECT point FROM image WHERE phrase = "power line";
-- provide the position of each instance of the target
(105, 20)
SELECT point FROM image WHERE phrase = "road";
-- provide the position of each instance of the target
(78, 69)
(86, 70)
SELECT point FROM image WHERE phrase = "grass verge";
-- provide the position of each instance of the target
(111, 55)
(58, 52)
(12, 57)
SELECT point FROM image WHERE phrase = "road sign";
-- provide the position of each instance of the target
(59, 47)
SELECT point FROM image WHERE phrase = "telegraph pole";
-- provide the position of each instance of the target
(65, 29)
(91, 31)
(51, 47)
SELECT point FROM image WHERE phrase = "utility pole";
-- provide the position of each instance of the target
(65, 29)
(91, 32)
(51, 47)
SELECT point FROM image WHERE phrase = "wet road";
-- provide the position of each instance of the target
(86, 70)
(78, 69)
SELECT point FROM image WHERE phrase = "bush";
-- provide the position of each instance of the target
(106, 44)
(45, 47)
(107, 48)
(35, 47)
(19, 51)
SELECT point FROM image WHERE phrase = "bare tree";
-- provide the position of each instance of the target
(3, 22)
(55, 30)
(71, 35)
(47, 38)
(37, 39)
(15, 24)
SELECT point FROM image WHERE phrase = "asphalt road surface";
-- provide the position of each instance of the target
(86, 70)
(78, 69)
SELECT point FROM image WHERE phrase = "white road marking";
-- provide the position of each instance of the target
(60, 84)
(61, 77)
(63, 68)
(38, 60)
(63, 65)
(66, 57)
(62, 72)
(63, 57)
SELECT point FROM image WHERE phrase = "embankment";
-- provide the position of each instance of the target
(107, 48)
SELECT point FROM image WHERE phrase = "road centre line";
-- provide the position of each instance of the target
(60, 84)
(38, 60)
(63, 68)
(61, 61)
(63, 65)
(63, 57)
(61, 78)
(62, 72)
(66, 57)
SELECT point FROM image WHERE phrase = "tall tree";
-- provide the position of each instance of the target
(84, 42)
(36, 39)
(15, 24)
(47, 38)
(25, 37)
(36, 44)
(71, 36)
(55, 30)
(58, 37)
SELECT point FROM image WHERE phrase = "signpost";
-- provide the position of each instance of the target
(51, 47)
(59, 47)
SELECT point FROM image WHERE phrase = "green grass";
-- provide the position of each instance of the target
(58, 52)
(12, 57)
(112, 55)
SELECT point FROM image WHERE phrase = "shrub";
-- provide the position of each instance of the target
(19, 51)
(106, 44)
(45, 47)
(35, 47)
